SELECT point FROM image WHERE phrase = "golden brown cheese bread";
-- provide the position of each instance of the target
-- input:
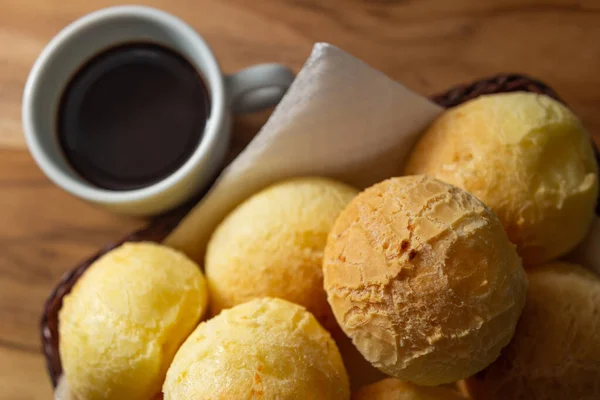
(555, 353)
(264, 349)
(272, 245)
(121, 325)
(395, 389)
(422, 277)
(527, 157)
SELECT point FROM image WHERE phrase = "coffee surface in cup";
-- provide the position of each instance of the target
(132, 115)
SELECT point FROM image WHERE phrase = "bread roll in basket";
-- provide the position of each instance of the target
(160, 227)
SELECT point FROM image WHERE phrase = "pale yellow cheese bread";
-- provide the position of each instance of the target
(526, 156)
(125, 318)
(264, 349)
(272, 245)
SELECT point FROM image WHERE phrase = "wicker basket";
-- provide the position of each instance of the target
(160, 228)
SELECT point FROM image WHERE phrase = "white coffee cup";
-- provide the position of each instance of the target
(251, 89)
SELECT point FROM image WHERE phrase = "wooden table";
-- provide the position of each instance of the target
(429, 45)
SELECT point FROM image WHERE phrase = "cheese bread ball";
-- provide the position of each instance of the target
(526, 156)
(265, 349)
(125, 318)
(555, 353)
(394, 389)
(422, 277)
(272, 246)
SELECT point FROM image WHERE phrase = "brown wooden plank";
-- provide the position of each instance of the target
(428, 44)
(22, 375)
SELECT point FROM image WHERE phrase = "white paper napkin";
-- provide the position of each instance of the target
(62, 391)
(340, 119)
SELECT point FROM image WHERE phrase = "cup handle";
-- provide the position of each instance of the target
(258, 87)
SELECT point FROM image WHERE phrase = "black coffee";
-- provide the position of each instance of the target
(132, 115)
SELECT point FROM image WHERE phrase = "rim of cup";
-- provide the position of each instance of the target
(211, 74)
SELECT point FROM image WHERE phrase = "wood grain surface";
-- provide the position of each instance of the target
(427, 44)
